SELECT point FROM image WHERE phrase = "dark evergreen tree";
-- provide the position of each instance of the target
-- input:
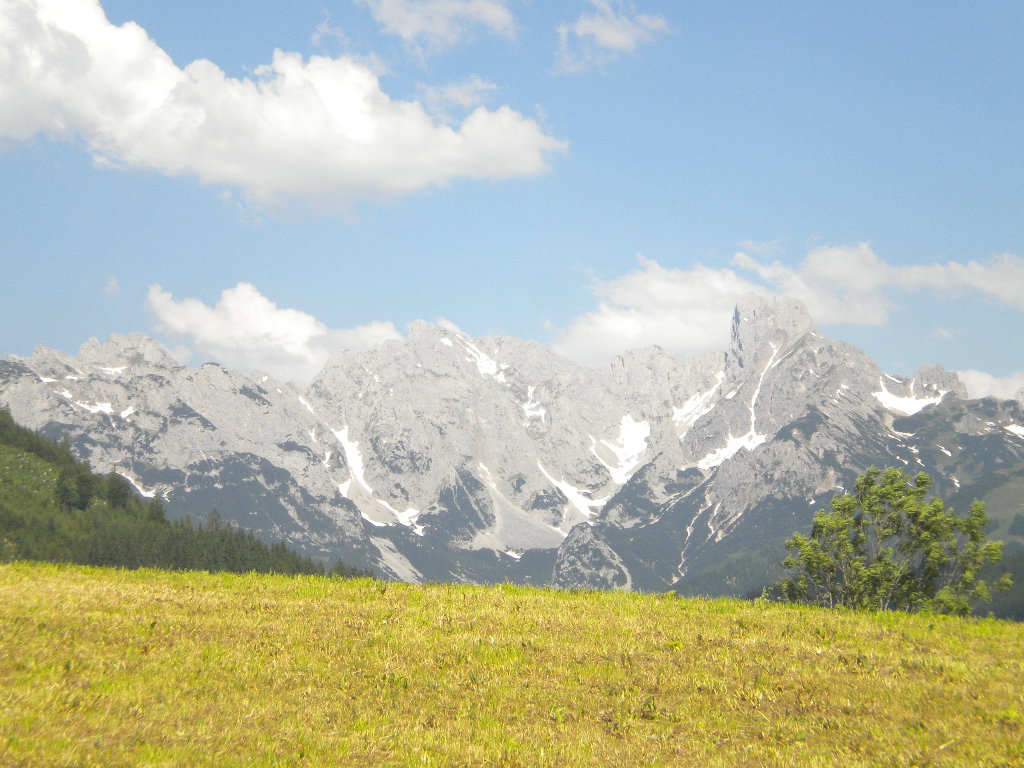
(77, 516)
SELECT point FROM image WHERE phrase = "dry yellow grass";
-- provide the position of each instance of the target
(143, 668)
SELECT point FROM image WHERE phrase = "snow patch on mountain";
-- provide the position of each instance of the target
(695, 407)
(906, 405)
(626, 451)
(733, 445)
(752, 439)
(580, 501)
(488, 477)
(532, 408)
(485, 364)
(407, 518)
(106, 408)
(353, 457)
(149, 493)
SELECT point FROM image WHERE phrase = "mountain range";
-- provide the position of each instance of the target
(441, 457)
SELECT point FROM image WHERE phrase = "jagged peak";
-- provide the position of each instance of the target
(442, 328)
(120, 350)
(935, 378)
(760, 322)
(420, 327)
(47, 359)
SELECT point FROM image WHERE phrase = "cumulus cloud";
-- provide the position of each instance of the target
(320, 131)
(851, 284)
(981, 384)
(1001, 278)
(688, 312)
(611, 29)
(247, 331)
(437, 24)
(839, 284)
(685, 312)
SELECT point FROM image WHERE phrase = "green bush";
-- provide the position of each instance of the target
(886, 547)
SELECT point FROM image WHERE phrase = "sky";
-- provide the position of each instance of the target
(265, 185)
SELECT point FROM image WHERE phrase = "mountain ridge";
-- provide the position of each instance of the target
(447, 458)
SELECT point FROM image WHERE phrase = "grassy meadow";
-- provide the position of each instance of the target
(147, 668)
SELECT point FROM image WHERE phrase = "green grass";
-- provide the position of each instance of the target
(133, 668)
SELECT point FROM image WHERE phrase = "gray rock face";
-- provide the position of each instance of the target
(585, 561)
(443, 457)
(935, 378)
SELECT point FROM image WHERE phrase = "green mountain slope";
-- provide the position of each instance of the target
(54, 508)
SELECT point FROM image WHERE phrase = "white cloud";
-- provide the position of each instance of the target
(1001, 278)
(685, 312)
(438, 24)
(611, 29)
(838, 284)
(326, 31)
(850, 284)
(247, 331)
(320, 131)
(981, 384)
(465, 95)
(688, 312)
(112, 287)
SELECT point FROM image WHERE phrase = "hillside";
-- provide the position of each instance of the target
(155, 668)
(54, 508)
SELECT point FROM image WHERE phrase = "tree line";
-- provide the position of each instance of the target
(54, 508)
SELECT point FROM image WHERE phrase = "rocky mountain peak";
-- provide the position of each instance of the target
(935, 378)
(125, 350)
(762, 322)
(52, 363)
(443, 456)
(420, 330)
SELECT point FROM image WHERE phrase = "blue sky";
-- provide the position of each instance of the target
(265, 186)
